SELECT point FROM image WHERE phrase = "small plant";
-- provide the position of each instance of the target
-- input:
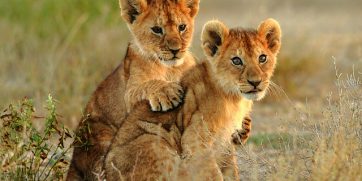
(29, 154)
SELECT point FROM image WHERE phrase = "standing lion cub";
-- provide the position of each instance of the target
(219, 93)
(155, 60)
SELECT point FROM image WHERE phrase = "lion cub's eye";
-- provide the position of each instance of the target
(182, 27)
(262, 58)
(157, 30)
(237, 61)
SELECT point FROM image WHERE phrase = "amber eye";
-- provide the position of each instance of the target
(237, 61)
(262, 58)
(182, 27)
(157, 30)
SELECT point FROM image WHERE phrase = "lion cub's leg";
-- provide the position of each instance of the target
(201, 166)
(90, 149)
(240, 136)
(143, 149)
(73, 174)
(161, 95)
(147, 157)
(229, 166)
(198, 149)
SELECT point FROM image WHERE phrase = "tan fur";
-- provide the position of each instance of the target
(150, 71)
(198, 147)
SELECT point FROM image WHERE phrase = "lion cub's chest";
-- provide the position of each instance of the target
(155, 70)
(227, 119)
(211, 126)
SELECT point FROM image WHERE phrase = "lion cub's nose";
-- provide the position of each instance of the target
(174, 52)
(254, 83)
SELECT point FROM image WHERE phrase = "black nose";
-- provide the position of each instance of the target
(254, 83)
(174, 52)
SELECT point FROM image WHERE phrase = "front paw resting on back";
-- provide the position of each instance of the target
(166, 97)
(240, 136)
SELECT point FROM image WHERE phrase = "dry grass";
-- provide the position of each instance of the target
(325, 148)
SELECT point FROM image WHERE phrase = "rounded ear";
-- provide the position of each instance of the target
(270, 31)
(130, 9)
(193, 5)
(213, 36)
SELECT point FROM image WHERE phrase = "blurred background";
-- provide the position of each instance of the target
(66, 48)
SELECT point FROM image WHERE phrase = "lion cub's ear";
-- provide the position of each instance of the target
(130, 9)
(270, 31)
(212, 37)
(193, 5)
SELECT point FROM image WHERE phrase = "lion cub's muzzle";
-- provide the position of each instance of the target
(172, 57)
(256, 90)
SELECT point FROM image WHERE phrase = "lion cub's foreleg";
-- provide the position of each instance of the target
(240, 136)
(161, 95)
(229, 166)
(198, 149)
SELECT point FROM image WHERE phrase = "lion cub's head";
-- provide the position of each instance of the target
(242, 60)
(162, 29)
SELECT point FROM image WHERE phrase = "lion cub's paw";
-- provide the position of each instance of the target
(166, 97)
(240, 136)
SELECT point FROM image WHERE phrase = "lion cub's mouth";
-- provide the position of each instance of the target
(172, 59)
(175, 61)
(253, 91)
(255, 94)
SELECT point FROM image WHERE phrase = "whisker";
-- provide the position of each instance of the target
(276, 91)
(271, 91)
(280, 90)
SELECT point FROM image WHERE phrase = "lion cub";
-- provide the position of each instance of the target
(151, 70)
(219, 93)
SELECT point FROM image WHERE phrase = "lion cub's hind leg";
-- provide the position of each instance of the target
(148, 158)
(143, 149)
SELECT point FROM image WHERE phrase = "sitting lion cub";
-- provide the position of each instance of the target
(219, 93)
(155, 60)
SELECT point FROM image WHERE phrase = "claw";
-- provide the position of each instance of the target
(167, 97)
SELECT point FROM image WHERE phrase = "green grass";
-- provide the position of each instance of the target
(271, 140)
(60, 47)
(27, 153)
(52, 17)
